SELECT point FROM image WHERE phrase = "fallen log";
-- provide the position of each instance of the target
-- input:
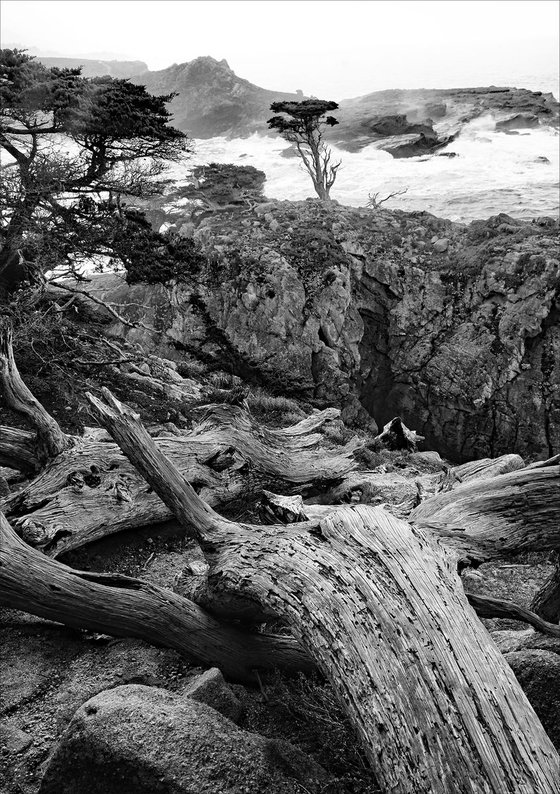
(494, 518)
(488, 607)
(485, 468)
(91, 490)
(543, 616)
(126, 607)
(380, 608)
(18, 449)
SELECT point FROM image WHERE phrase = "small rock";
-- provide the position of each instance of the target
(211, 688)
(441, 245)
(429, 458)
(13, 740)
(142, 369)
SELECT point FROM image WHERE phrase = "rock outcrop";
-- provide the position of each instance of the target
(538, 672)
(433, 117)
(383, 313)
(213, 101)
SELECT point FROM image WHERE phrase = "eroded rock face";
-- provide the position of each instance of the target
(144, 740)
(452, 327)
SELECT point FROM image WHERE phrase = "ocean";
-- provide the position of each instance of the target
(491, 172)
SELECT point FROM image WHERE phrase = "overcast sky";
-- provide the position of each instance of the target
(325, 47)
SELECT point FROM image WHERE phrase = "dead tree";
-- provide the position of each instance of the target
(127, 607)
(91, 490)
(380, 608)
(87, 489)
(50, 441)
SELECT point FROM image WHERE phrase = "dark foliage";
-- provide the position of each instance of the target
(219, 185)
(69, 142)
(154, 258)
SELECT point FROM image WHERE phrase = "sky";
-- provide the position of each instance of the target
(323, 47)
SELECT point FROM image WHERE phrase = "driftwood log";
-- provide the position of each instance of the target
(379, 606)
(90, 490)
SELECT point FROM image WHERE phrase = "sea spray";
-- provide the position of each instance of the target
(490, 172)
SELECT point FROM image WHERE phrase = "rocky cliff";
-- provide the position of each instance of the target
(455, 328)
(213, 101)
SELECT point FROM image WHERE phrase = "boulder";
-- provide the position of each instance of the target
(211, 688)
(143, 740)
(13, 740)
(538, 672)
(441, 245)
(509, 641)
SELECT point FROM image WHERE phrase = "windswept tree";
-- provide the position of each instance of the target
(302, 124)
(70, 143)
(220, 185)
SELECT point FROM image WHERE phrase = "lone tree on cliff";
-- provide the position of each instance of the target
(303, 125)
(71, 146)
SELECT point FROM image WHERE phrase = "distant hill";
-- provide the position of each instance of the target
(212, 99)
(95, 68)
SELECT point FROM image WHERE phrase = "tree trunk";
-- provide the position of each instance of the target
(18, 449)
(127, 607)
(380, 608)
(51, 441)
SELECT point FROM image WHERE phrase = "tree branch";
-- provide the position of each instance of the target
(51, 440)
(488, 607)
(126, 607)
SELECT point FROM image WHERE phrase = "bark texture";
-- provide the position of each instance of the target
(490, 518)
(18, 449)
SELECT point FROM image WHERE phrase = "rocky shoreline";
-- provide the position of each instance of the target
(213, 101)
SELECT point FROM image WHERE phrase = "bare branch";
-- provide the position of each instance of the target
(105, 305)
(374, 201)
